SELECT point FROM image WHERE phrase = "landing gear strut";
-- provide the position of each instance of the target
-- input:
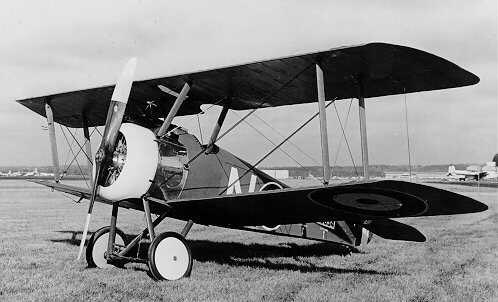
(96, 251)
(169, 256)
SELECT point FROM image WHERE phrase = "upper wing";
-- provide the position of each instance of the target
(354, 202)
(383, 69)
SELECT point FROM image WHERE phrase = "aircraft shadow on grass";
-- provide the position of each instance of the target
(255, 255)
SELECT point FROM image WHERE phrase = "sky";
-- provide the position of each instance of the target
(55, 46)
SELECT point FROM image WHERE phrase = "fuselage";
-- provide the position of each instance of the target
(177, 166)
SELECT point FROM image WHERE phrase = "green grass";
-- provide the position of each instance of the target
(37, 259)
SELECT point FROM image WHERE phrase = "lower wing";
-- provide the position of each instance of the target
(366, 203)
(84, 193)
(355, 202)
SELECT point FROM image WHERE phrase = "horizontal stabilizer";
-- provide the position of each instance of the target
(393, 230)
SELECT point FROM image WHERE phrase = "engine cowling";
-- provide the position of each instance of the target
(133, 165)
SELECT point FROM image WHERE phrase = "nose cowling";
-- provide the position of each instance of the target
(132, 166)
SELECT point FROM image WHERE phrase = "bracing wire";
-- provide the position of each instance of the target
(66, 165)
(342, 137)
(98, 131)
(221, 100)
(74, 158)
(75, 155)
(290, 142)
(212, 105)
(80, 146)
(275, 148)
(274, 144)
(263, 99)
(408, 137)
(68, 153)
(345, 139)
(260, 102)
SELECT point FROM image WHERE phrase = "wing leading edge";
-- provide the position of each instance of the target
(379, 68)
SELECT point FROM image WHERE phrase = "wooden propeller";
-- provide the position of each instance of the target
(114, 119)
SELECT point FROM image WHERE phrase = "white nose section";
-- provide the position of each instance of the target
(140, 165)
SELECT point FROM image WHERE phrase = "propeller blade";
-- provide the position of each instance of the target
(114, 119)
(90, 209)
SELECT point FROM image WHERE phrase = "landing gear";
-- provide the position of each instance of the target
(97, 247)
(170, 257)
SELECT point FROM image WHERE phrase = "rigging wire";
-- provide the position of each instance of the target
(70, 145)
(345, 138)
(345, 126)
(77, 162)
(67, 153)
(281, 149)
(275, 148)
(408, 136)
(283, 136)
(261, 102)
(221, 100)
(81, 146)
(98, 131)
(74, 158)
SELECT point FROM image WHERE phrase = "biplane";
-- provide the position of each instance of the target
(145, 162)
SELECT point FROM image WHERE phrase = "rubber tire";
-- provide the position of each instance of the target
(95, 236)
(152, 250)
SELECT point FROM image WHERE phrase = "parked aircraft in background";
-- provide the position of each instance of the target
(11, 174)
(491, 168)
(148, 164)
(32, 173)
(465, 174)
(488, 171)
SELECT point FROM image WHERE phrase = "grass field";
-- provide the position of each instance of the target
(459, 262)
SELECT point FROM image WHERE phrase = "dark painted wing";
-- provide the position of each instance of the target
(394, 230)
(352, 202)
(383, 69)
(83, 193)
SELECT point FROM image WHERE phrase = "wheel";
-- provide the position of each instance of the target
(97, 247)
(170, 257)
